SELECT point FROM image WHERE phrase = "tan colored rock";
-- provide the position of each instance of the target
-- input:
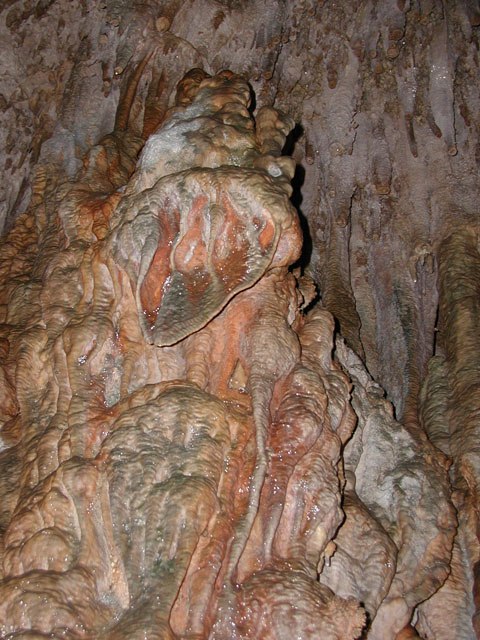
(150, 466)
(148, 454)
(402, 481)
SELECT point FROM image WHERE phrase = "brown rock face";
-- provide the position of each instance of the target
(194, 437)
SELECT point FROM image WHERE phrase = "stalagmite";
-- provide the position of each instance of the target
(238, 320)
(193, 242)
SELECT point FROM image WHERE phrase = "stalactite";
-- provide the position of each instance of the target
(188, 447)
(456, 397)
(442, 72)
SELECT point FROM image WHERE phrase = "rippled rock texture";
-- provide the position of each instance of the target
(194, 440)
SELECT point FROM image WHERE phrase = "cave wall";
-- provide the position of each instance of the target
(384, 101)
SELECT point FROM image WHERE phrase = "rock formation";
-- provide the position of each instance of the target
(195, 437)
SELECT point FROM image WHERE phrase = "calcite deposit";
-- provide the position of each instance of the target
(176, 440)
(239, 285)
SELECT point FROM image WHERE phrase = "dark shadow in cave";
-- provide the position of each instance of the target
(436, 331)
(253, 101)
(297, 198)
(368, 623)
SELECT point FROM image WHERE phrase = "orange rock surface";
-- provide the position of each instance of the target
(188, 451)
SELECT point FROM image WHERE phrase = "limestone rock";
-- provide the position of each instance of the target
(187, 446)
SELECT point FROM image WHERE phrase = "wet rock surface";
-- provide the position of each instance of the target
(189, 447)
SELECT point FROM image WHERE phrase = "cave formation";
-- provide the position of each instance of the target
(239, 291)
